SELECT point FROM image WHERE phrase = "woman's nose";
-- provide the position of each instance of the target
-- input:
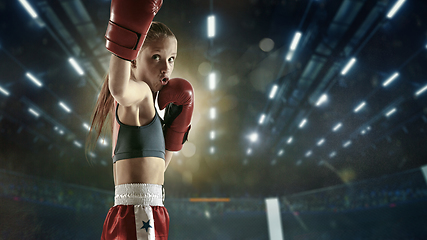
(165, 67)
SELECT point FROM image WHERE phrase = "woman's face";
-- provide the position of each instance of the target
(155, 63)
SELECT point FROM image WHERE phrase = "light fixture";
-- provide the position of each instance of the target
(273, 91)
(34, 80)
(2, 90)
(332, 154)
(308, 154)
(249, 151)
(213, 113)
(253, 137)
(322, 99)
(395, 8)
(77, 144)
(86, 126)
(65, 107)
(212, 81)
(390, 112)
(261, 119)
(211, 26)
(29, 9)
(289, 140)
(320, 142)
(359, 107)
(281, 152)
(76, 66)
(103, 142)
(346, 144)
(212, 135)
(295, 41)
(338, 126)
(390, 79)
(348, 66)
(303, 122)
(423, 89)
(34, 112)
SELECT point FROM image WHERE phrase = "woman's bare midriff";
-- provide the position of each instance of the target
(139, 170)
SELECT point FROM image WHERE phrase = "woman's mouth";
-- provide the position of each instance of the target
(164, 81)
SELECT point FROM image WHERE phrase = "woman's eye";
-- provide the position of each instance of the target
(172, 59)
(156, 57)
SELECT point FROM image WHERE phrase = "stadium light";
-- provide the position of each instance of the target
(211, 26)
(77, 144)
(346, 144)
(253, 137)
(338, 126)
(86, 126)
(348, 66)
(293, 46)
(103, 142)
(395, 8)
(303, 122)
(322, 99)
(295, 41)
(65, 107)
(261, 119)
(390, 79)
(390, 112)
(76, 66)
(34, 112)
(29, 9)
(419, 92)
(359, 107)
(273, 91)
(2, 90)
(213, 113)
(34, 80)
(212, 81)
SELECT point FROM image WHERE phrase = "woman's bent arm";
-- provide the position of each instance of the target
(125, 91)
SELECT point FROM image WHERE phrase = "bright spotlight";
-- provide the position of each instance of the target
(76, 66)
(261, 119)
(395, 8)
(322, 99)
(253, 137)
(211, 26)
(303, 122)
(273, 91)
(348, 66)
(29, 9)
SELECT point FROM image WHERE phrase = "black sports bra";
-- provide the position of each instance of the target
(137, 141)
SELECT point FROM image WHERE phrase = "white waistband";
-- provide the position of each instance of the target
(139, 194)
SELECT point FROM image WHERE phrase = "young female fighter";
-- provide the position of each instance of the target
(140, 66)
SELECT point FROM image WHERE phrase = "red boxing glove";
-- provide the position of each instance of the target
(178, 97)
(128, 26)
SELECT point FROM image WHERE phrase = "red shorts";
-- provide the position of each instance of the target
(138, 213)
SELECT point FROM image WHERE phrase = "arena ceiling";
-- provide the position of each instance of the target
(322, 126)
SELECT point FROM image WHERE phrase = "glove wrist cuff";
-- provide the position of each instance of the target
(122, 42)
(175, 140)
